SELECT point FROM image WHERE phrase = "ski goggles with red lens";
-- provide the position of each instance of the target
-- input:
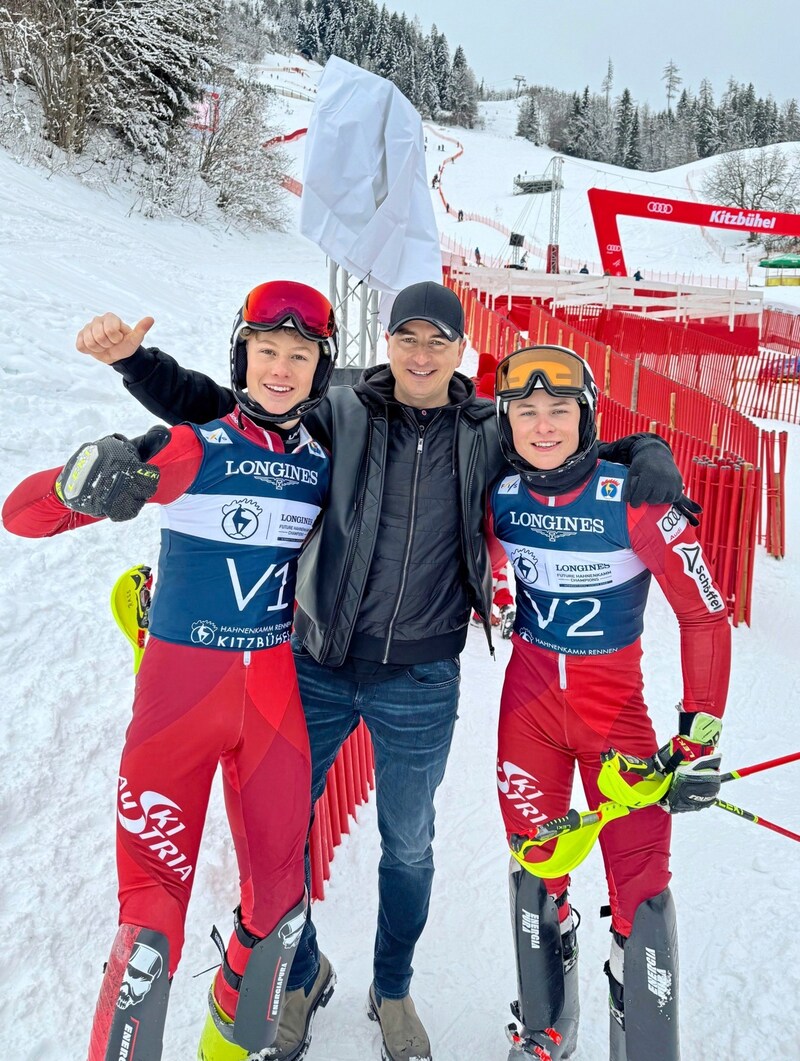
(272, 304)
(560, 371)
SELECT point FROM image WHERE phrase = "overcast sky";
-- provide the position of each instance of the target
(567, 43)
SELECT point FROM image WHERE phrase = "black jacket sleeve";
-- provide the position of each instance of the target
(623, 450)
(173, 393)
(654, 478)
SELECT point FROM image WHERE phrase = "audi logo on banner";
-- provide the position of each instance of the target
(658, 208)
(612, 248)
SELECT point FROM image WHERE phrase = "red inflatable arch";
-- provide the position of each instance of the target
(607, 206)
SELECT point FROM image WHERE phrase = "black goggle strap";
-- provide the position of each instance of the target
(556, 390)
(329, 344)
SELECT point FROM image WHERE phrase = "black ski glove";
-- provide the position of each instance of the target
(690, 509)
(654, 479)
(107, 478)
(692, 758)
(695, 785)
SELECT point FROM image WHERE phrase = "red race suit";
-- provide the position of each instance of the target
(199, 704)
(573, 687)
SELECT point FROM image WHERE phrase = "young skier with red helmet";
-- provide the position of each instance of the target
(217, 682)
(583, 560)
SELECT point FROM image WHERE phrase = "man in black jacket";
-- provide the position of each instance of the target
(387, 584)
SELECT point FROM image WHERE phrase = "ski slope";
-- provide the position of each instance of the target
(66, 680)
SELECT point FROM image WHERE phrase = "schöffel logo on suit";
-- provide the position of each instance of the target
(554, 527)
(277, 473)
(694, 567)
(654, 207)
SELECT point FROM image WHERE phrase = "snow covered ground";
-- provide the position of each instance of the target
(65, 674)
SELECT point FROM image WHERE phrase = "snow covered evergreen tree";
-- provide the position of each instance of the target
(706, 122)
(131, 67)
(463, 92)
(441, 57)
(626, 128)
(309, 41)
(429, 90)
(790, 121)
(152, 62)
(672, 82)
(529, 122)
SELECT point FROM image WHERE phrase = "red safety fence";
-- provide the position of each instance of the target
(730, 493)
(763, 382)
(347, 786)
(292, 185)
(736, 470)
(780, 331)
(285, 138)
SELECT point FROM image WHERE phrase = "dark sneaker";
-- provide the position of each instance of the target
(294, 1030)
(404, 1038)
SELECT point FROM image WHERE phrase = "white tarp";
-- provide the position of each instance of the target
(366, 200)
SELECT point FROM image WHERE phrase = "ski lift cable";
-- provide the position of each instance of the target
(620, 177)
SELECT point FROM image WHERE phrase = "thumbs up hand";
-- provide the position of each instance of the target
(109, 339)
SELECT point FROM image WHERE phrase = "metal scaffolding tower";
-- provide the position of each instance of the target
(356, 308)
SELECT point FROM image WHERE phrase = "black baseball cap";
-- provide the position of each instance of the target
(430, 302)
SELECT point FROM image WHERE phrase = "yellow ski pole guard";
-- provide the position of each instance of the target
(650, 787)
(130, 604)
(574, 837)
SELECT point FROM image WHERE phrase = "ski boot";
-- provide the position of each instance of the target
(533, 1044)
(557, 1043)
(216, 1041)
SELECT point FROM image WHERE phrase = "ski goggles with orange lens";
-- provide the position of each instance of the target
(560, 371)
(272, 304)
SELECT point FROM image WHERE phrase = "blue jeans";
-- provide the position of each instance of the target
(411, 720)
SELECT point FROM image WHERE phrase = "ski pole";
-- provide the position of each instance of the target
(748, 816)
(745, 771)
(576, 831)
